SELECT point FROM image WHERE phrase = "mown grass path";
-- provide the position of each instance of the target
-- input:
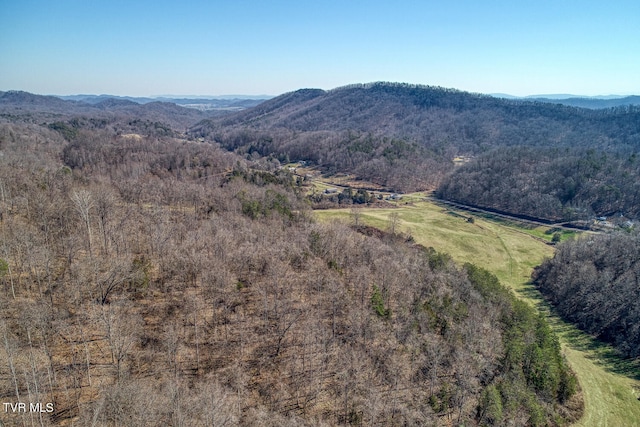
(610, 385)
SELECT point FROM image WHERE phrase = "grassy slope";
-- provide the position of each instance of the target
(610, 386)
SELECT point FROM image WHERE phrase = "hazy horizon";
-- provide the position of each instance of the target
(267, 96)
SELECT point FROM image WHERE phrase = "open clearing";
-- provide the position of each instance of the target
(611, 386)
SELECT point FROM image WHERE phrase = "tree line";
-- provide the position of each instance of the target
(593, 282)
(549, 183)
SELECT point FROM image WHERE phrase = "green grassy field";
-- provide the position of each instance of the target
(610, 385)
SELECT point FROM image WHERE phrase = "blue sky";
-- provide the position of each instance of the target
(148, 48)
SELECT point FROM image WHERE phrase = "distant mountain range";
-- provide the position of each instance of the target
(420, 113)
(176, 112)
(27, 107)
(226, 102)
(240, 102)
(230, 103)
(591, 102)
(556, 96)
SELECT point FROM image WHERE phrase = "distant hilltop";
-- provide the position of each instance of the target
(592, 102)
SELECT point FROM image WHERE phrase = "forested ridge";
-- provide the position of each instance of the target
(437, 117)
(524, 157)
(147, 279)
(552, 184)
(18, 106)
(593, 282)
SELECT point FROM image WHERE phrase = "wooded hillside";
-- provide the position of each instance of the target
(437, 118)
(150, 280)
(552, 184)
(593, 282)
(405, 138)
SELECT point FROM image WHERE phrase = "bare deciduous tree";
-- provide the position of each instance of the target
(393, 223)
(83, 202)
(122, 327)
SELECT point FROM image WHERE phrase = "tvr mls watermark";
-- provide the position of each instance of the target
(22, 407)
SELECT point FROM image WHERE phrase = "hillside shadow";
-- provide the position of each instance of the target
(600, 352)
